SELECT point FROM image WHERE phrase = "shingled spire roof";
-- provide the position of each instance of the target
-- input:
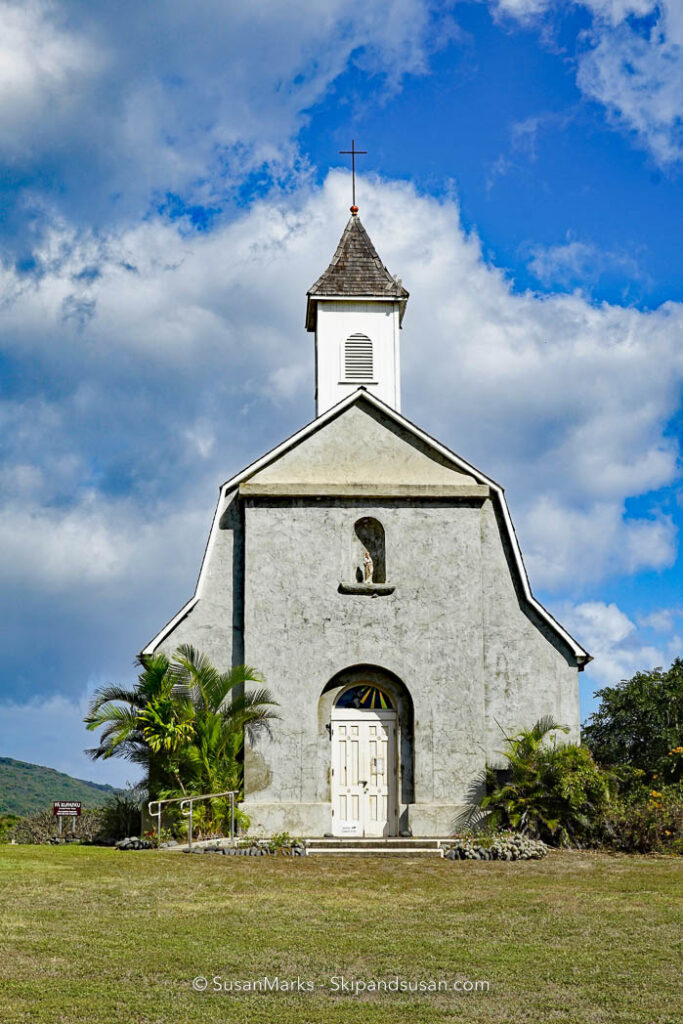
(355, 271)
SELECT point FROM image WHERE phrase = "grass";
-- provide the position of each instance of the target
(94, 936)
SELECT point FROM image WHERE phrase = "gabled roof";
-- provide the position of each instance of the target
(361, 395)
(356, 271)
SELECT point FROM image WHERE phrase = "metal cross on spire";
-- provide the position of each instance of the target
(353, 153)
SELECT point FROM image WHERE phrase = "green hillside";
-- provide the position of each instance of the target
(26, 788)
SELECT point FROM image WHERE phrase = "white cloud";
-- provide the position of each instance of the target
(93, 544)
(631, 62)
(124, 103)
(41, 67)
(524, 10)
(639, 78)
(616, 645)
(660, 621)
(573, 261)
(605, 624)
(568, 545)
(613, 11)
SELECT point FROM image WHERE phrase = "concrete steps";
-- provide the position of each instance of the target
(393, 846)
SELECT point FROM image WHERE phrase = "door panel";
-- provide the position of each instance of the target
(364, 774)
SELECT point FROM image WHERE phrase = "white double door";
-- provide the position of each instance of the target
(363, 773)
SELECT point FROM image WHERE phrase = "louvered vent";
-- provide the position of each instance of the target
(358, 358)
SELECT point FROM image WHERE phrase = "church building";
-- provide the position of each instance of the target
(374, 578)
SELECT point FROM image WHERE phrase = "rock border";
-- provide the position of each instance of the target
(509, 847)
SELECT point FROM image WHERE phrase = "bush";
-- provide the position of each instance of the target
(210, 818)
(121, 813)
(283, 841)
(550, 791)
(43, 827)
(645, 821)
(279, 844)
(118, 818)
(7, 823)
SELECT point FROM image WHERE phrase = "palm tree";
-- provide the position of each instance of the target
(527, 799)
(118, 711)
(553, 791)
(224, 713)
(185, 722)
(519, 797)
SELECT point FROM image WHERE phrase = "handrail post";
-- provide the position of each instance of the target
(156, 814)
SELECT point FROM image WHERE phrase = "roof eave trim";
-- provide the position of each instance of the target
(312, 299)
(169, 627)
(189, 605)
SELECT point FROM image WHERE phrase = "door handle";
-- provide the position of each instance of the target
(363, 782)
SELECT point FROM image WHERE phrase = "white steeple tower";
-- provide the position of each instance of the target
(356, 310)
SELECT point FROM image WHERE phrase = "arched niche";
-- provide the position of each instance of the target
(370, 537)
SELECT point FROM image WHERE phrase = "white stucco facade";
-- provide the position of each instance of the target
(453, 637)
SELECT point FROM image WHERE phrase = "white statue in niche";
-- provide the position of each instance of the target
(368, 567)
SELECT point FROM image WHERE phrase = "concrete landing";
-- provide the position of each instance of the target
(393, 846)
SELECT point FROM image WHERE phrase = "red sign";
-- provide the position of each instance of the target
(66, 808)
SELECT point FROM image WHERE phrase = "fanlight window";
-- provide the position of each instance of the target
(365, 698)
(358, 358)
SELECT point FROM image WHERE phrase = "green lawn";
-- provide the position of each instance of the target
(93, 935)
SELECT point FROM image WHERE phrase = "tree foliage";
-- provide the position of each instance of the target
(639, 724)
(551, 791)
(185, 723)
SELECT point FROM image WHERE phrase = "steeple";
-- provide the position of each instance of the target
(356, 309)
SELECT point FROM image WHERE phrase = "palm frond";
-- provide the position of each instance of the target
(545, 725)
(471, 818)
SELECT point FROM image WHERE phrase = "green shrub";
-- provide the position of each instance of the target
(210, 818)
(151, 836)
(121, 813)
(283, 840)
(186, 724)
(551, 791)
(7, 823)
(645, 821)
(280, 843)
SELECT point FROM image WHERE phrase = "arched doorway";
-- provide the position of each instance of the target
(364, 754)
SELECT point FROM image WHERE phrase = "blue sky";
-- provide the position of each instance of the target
(171, 186)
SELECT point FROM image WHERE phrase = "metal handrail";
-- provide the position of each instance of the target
(184, 801)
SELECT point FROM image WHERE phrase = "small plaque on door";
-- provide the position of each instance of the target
(377, 765)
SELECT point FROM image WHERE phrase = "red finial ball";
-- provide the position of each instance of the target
(354, 210)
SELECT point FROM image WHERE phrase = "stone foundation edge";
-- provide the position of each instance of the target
(314, 820)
